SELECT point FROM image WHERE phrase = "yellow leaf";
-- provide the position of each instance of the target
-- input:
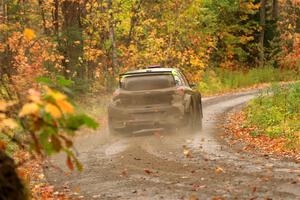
(9, 123)
(29, 109)
(187, 153)
(53, 110)
(29, 34)
(3, 106)
(56, 95)
(2, 116)
(65, 106)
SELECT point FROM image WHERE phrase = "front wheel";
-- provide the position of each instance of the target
(190, 119)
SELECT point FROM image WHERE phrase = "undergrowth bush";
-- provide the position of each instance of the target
(276, 113)
(219, 80)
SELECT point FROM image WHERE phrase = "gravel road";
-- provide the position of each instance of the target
(179, 165)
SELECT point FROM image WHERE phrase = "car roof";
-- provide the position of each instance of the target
(150, 70)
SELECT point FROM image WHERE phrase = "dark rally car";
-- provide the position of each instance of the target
(154, 98)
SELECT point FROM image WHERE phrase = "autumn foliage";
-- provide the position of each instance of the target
(92, 41)
(89, 42)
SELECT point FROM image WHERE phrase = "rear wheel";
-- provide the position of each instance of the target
(190, 119)
(199, 116)
(194, 118)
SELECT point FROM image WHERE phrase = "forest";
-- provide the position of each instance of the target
(54, 52)
(91, 41)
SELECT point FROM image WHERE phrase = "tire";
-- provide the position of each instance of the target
(191, 119)
(194, 117)
(199, 115)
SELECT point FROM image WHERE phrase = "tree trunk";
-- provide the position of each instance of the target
(72, 44)
(113, 50)
(134, 19)
(41, 2)
(3, 12)
(55, 17)
(262, 32)
(275, 10)
(11, 186)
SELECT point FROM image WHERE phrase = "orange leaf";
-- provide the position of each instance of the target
(70, 163)
(65, 106)
(53, 110)
(2, 145)
(29, 34)
(219, 170)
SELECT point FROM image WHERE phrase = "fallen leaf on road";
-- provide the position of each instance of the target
(147, 171)
(197, 187)
(218, 198)
(187, 152)
(219, 170)
(124, 172)
(77, 189)
(192, 197)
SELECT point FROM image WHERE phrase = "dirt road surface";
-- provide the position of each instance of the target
(179, 165)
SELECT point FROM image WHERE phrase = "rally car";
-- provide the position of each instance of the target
(152, 99)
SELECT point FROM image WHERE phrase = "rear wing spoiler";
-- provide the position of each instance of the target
(142, 74)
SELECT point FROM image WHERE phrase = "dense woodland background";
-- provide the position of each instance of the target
(91, 41)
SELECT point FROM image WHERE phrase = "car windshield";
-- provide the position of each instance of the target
(147, 82)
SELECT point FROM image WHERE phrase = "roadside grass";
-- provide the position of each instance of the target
(276, 114)
(220, 81)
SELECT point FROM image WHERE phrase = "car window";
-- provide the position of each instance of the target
(178, 80)
(147, 82)
(184, 79)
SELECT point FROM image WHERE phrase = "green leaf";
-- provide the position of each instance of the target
(44, 140)
(89, 122)
(61, 81)
(75, 122)
(44, 80)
